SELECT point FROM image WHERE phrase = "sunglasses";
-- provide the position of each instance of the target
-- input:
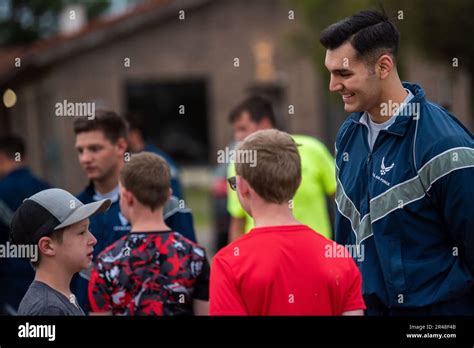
(232, 182)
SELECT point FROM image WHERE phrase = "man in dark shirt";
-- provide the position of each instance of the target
(16, 183)
(102, 151)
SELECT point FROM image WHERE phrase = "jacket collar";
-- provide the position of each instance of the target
(400, 125)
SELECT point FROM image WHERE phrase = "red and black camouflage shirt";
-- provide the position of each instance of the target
(149, 273)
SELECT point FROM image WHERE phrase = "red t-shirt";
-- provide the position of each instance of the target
(283, 270)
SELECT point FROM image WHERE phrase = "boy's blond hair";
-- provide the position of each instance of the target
(276, 174)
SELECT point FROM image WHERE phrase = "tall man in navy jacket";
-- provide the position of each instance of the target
(102, 148)
(405, 174)
(16, 184)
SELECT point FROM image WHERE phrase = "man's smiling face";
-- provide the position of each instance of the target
(352, 77)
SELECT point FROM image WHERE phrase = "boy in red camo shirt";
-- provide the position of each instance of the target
(152, 270)
(280, 267)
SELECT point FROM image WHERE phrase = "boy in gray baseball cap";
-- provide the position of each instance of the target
(58, 224)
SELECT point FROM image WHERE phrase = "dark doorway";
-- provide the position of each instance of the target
(175, 117)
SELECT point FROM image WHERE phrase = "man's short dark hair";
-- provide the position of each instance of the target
(112, 125)
(371, 33)
(10, 145)
(257, 107)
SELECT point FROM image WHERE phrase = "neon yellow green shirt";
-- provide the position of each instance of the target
(318, 179)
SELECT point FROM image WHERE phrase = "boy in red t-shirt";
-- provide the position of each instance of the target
(280, 267)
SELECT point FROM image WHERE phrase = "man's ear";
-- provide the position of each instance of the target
(265, 123)
(132, 139)
(384, 66)
(122, 145)
(47, 246)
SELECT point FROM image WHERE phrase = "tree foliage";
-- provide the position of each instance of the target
(24, 21)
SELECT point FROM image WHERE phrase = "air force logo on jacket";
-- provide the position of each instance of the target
(384, 170)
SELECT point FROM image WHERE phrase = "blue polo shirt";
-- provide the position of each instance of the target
(408, 203)
(16, 275)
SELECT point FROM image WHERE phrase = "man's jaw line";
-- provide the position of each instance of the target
(397, 96)
(107, 183)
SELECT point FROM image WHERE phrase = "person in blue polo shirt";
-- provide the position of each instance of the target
(16, 184)
(102, 149)
(405, 173)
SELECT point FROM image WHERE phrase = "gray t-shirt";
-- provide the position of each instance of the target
(41, 299)
(375, 128)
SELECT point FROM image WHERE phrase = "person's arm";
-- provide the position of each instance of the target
(98, 314)
(453, 195)
(236, 228)
(225, 298)
(448, 178)
(200, 307)
(353, 300)
(201, 290)
(358, 312)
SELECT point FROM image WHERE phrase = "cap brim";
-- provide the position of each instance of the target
(84, 212)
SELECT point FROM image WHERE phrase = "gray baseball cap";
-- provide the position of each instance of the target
(48, 211)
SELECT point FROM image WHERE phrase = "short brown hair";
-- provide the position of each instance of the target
(111, 124)
(258, 108)
(276, 174)
(147, 176)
